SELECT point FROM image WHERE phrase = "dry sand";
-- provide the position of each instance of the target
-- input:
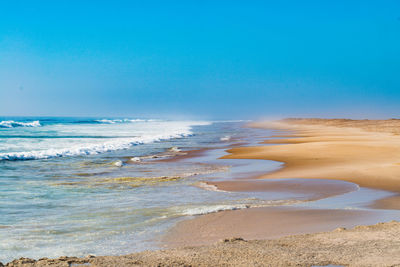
(329, 149)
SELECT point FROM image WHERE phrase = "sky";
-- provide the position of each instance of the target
(201, 59)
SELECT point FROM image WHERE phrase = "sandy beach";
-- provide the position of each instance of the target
(376, 245)
(315, 153)
(363, 152)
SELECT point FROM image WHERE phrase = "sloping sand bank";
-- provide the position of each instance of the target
(377, 245)
(262, 223)
(365, 154)
(330, 149)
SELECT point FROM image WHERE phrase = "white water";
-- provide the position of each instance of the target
(60, 140)
(12, 124)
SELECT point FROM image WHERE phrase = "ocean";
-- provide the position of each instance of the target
(107, 186)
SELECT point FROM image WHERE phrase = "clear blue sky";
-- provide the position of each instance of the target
(211, 59)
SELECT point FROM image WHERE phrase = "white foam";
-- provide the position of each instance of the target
(107, 121)
(212, 209)
(246, 203)
(118, 163)
(135, 159)
(119, 144)
(225, 138)
(174, 149)
(12, 124)
(148, 134)
(137, 120)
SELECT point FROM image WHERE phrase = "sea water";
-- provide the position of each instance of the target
(79, 186)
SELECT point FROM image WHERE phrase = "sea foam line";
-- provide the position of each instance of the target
(206, 209)
(212, 209)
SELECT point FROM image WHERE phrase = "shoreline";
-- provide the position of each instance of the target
(367, 158)
(374, 245)
(256, 223)
(262, 223)
(313, 152)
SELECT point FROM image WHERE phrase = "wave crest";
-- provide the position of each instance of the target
(12, 124)
(120, 144)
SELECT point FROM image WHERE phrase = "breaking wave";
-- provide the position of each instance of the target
(12, 124)
(90, 149)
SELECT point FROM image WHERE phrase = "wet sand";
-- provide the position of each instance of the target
(388, 203)
(307, 188)
(261, 223)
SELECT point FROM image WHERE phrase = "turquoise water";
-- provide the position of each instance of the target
(73, 186)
